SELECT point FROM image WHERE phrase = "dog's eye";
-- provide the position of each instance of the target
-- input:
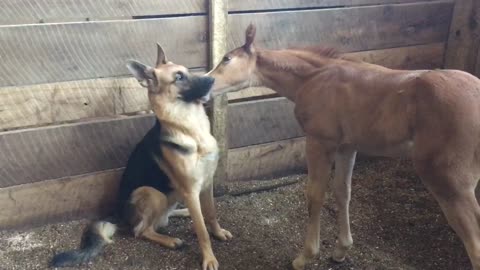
(179, 76)
(226, 59)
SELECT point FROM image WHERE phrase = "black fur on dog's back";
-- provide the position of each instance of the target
(141, 170)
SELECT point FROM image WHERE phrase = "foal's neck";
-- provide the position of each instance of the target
(285, 71)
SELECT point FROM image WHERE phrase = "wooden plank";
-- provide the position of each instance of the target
(50, 103)
(255, 5)
(57, 200)
(348, 29)
(267, 160)
(93, 195)
(46, 53)
(464, 40)
(261, 121)
(218, 28)
(35, 11)
(67, 101)
(429, 56)
(32, 155)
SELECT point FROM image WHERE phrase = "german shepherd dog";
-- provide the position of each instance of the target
(174, 162)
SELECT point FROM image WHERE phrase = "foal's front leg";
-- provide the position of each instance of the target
(319, 161)
(344, 161)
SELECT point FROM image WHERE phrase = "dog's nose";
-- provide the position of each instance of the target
(210, 80)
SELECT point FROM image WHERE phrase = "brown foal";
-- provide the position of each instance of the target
(345, 106)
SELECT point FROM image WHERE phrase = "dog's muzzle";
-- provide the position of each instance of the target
(199, 90)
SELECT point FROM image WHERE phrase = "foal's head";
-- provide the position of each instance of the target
(236, 70)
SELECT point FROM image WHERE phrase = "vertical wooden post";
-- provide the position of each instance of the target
(218, 16)
(464, 39)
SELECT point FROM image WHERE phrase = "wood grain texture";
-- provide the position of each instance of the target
(218, 30)
(429, 56)
(68, 101)
(36, 154)
(253, 5)
(267, 160)
(32, 155)
(92, 195)
(348, 29)
(261, 121)
(464, 40)
(50, 201)
(44, 53)
(35, 11)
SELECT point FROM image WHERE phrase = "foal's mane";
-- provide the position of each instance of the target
(299, 60)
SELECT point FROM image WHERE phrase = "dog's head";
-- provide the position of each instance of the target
(170, 81)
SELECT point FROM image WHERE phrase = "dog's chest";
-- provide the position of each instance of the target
(207, 161)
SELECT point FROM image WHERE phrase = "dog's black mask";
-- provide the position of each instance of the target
(198, 89)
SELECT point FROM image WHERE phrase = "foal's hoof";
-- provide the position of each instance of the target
(299, 263)
(338, 256)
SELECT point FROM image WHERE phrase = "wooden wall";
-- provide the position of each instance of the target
(70, 114)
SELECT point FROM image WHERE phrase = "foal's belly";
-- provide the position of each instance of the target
(402, 149)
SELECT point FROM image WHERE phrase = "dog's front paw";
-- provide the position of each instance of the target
(222, 234)
(210, 263)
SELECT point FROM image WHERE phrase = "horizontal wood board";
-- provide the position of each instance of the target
(44, 53)
(348, 29)
(93, 195)
(36, 154)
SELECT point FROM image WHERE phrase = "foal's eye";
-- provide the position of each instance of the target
(226, 59)
(179, 76)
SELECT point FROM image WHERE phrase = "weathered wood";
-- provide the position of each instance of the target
(67, 101)
(267, 160)
(464, 40)
(348, 29)
(218, 29)
(35, 11)
(50, 201)
(261, 121)
(32, 155)
(255, 5)
(93, 195)
(429, 56)
(46, 53)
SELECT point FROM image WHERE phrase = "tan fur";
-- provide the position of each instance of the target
(431, 116)
(191, 174)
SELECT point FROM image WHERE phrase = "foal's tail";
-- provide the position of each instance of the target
(95, 238)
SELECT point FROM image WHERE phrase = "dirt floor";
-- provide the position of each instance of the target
(396, 225)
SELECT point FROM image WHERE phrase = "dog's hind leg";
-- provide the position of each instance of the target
(149, 210)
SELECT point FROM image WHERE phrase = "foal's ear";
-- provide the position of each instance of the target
(250, 37)
(161, 57)
(143, 73)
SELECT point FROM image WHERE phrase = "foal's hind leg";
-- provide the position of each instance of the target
(319, 161)
(455, 192)
(344, 161)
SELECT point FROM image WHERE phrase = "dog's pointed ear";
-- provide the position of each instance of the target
(143, 73)
(250, 37)
(161, 57)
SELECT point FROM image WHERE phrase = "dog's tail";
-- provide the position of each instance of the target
(95, 238)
